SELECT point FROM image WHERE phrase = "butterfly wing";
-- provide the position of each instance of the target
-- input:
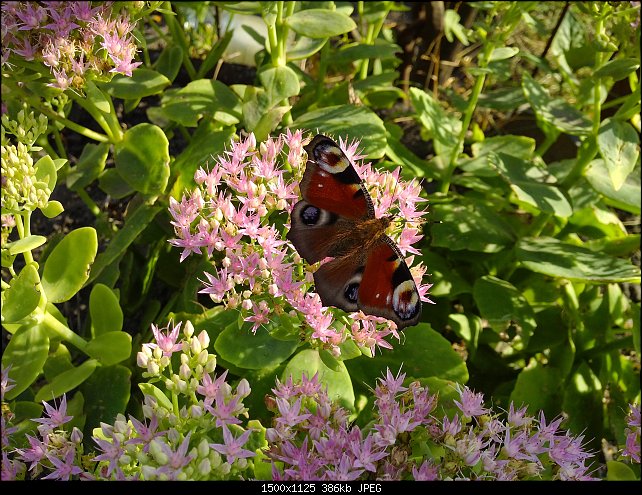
(387, 288)
(334, 198)
(331, 183)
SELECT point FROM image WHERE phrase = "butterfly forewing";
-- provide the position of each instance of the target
(330, 182)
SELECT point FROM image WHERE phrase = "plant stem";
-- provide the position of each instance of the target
(468, 116)
(64, 332)
(91, 204)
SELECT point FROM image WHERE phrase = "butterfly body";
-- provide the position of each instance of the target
(335, 219)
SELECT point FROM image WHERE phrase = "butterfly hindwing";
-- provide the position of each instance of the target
(331, 183)
(317, 233)
(337, 282)
(387, 288)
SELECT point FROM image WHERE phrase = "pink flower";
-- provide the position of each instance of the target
(232, 447)
(166, 341)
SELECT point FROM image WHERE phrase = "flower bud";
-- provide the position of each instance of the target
(204, 467)
(243, 388)
(204, 339)
(195, 346)
(196, 411)
(184, 371)
(76, 435)
(246, 304)
(202, 360)
(188, 330)
(157, 453)
(142, 359)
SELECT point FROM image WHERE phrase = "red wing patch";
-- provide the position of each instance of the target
(387, 288)
(324, 190)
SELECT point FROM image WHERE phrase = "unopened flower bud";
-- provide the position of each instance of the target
(246, 304)
(204, 467)
(76, 435)
(188, 330)
(195, 346)
(142, 359)
(204, 339)
(202, 359)
(184, 371)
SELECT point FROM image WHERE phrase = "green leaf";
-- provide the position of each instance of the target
(206, 141)
(25, 244)
(66, 381)
(618, 471)
(557, 259)
(52, 209)
(67, 267)
(583, 402)
(26, 353)
(199, 98)
(466, 327)
(252, 351)
(423, 353)
(169, 62)
(142, 158)
(442, 127)
(453, 28)
(58, 362)
(104, 308)
(626, 198)
(502, 99)
(618, 69)
(89, 167)
(353, 52)
(555, 111)
(134, 225)
(279, 83)
(269, 121)
(538, 388)
(113, 184)
(503, 53)
(46, 172)
(156, 393)
(447, 281)
(97, 97)
(504, 306)
(338, 382)
(107, 393)
(532, 185)
(304, 48)
(22, 296)
(320, 23)
(142, 83)
(471, 225)
(619, 145)
(349, 122)
(110, 348)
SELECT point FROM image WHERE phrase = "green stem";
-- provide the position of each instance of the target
(468, 116)
(59, 144)
(178, 36)
(24, 230)
(93, 207)
(549, 140)
(64, 332)
(96, 114)
(83, 131)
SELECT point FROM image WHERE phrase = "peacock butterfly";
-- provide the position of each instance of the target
(336, 219)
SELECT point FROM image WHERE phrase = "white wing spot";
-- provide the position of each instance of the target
(377, 296)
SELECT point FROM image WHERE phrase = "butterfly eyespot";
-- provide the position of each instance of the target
(310, 215)
(405, 300)
(351, 292)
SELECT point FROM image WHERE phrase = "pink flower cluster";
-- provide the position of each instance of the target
(632, 447)
(232, 217)
(313, 439)
(71, 38)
